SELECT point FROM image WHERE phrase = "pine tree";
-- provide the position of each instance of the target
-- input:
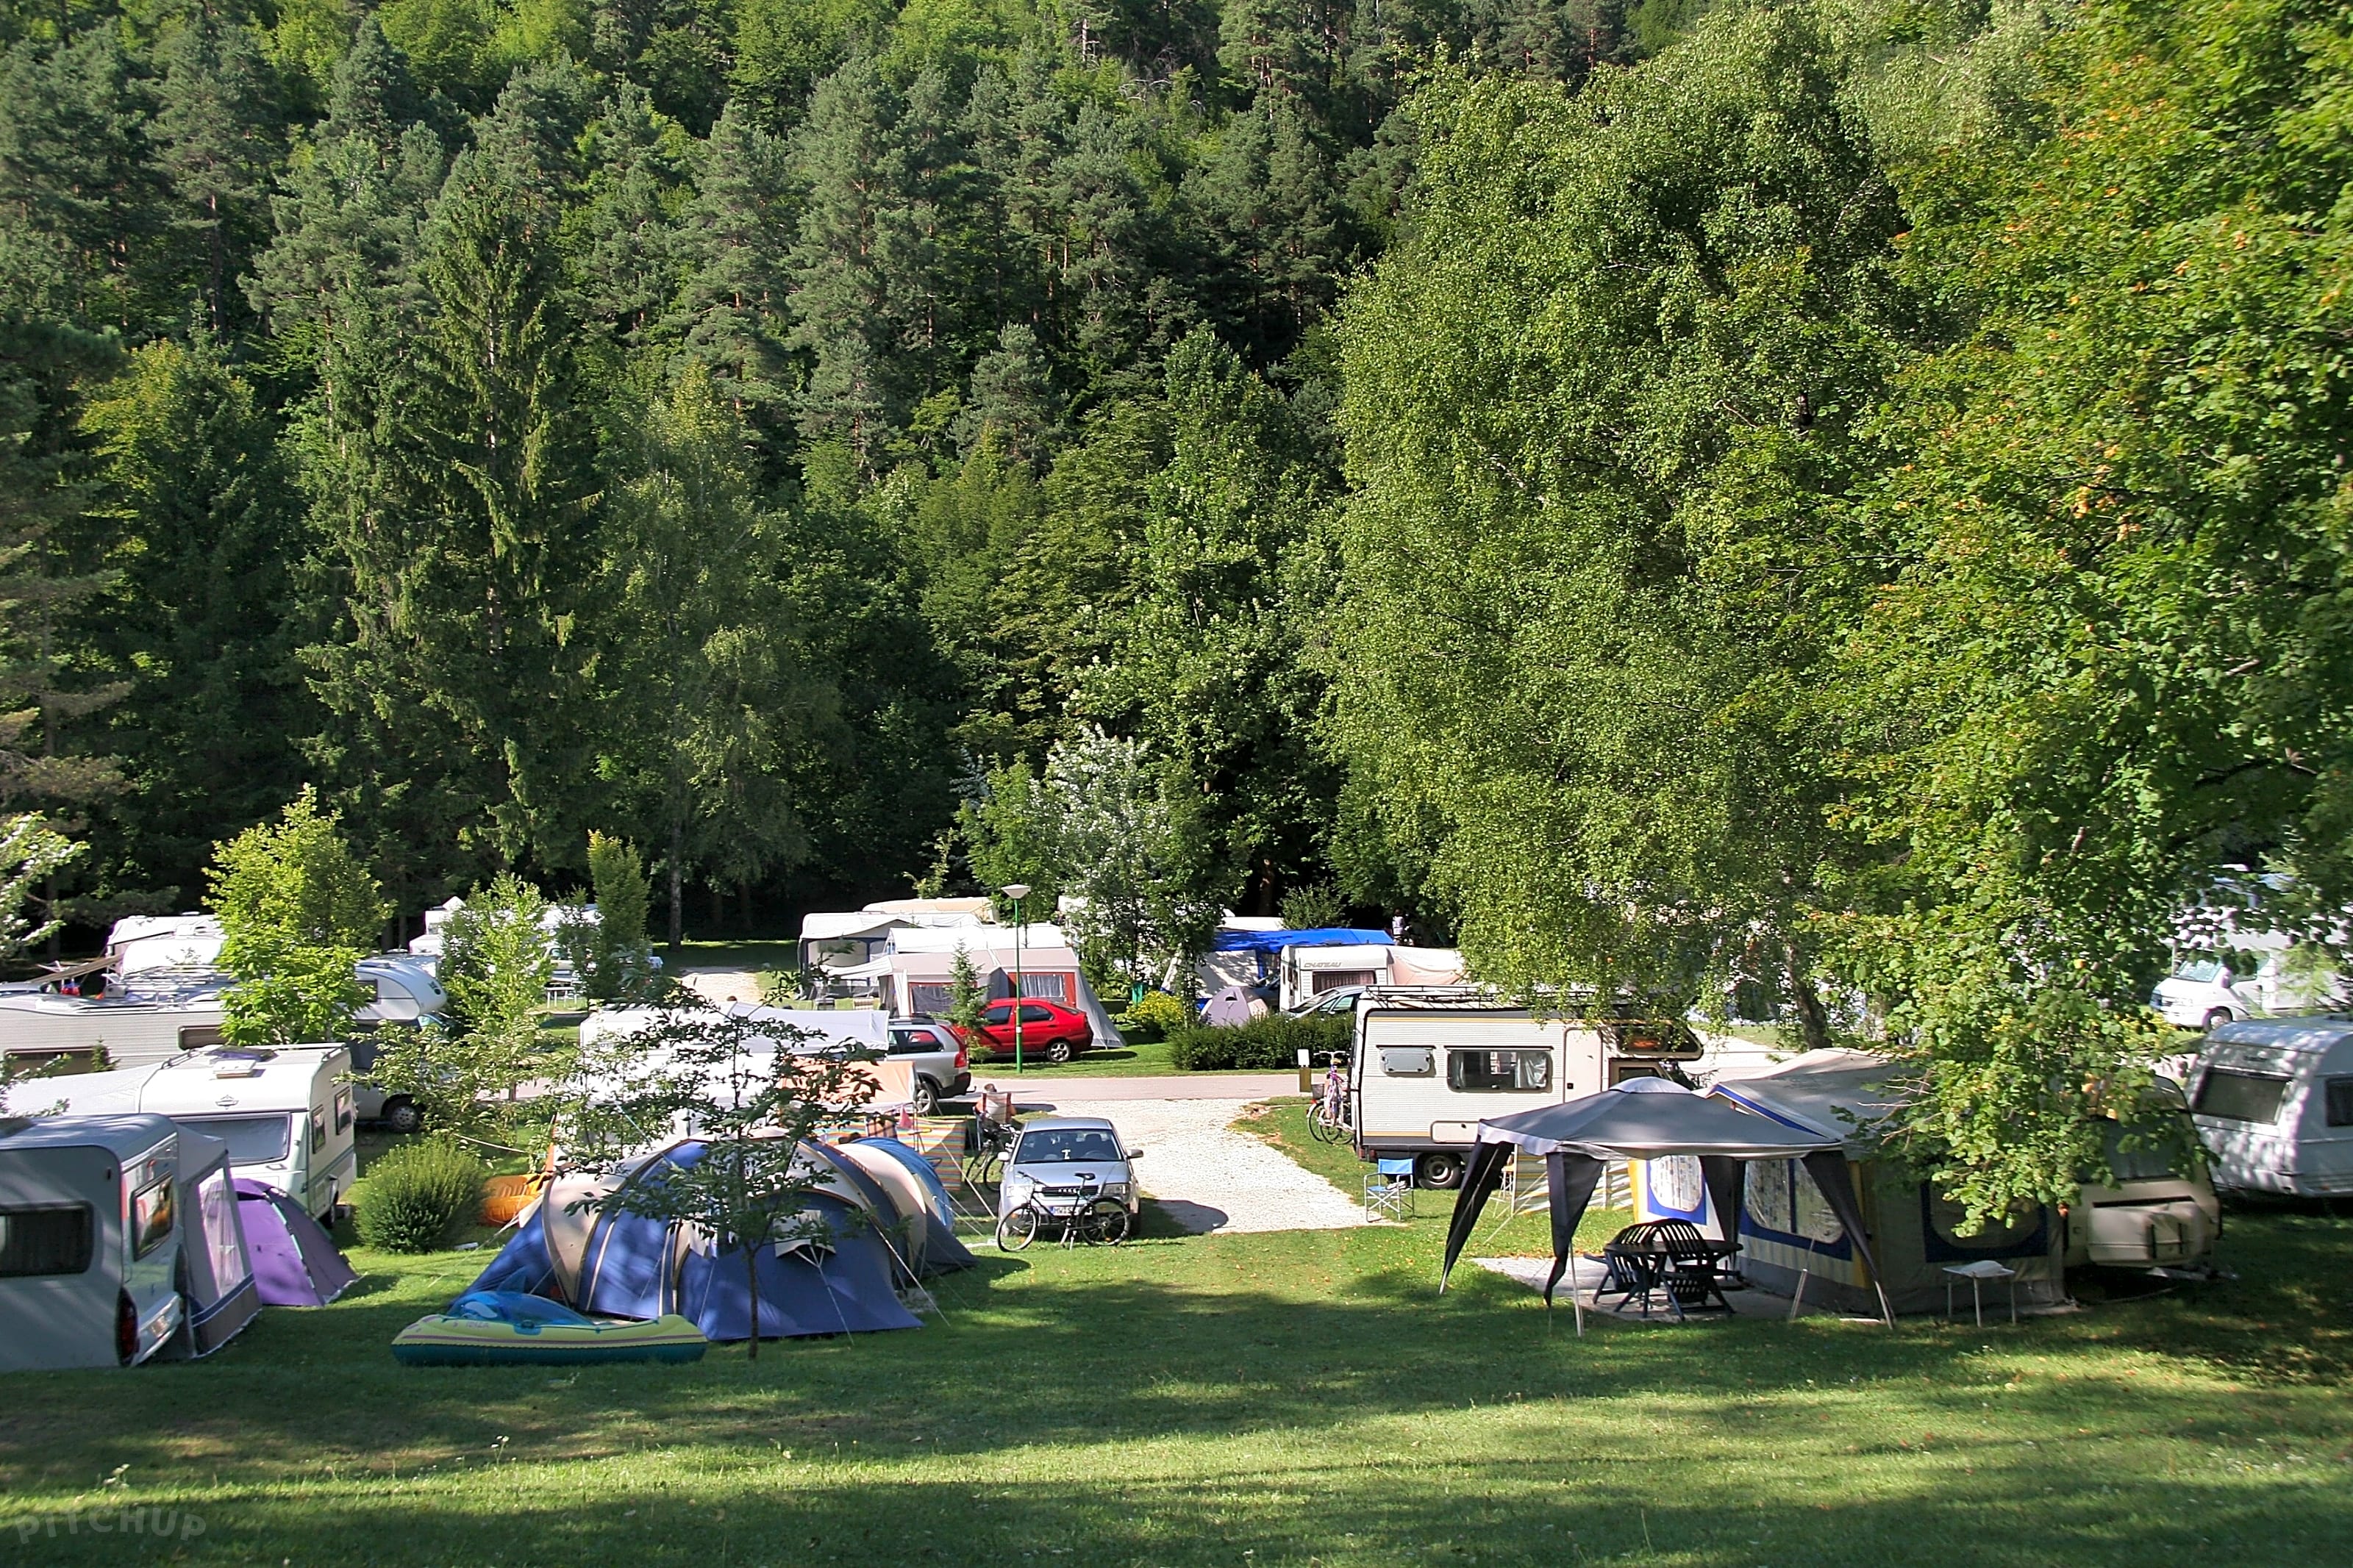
(219, 133)
(629, 265)
(197, 618)
(731, 316)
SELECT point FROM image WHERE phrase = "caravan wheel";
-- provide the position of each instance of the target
(1440, 1170)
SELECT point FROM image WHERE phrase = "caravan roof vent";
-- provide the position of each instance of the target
(239, 1064)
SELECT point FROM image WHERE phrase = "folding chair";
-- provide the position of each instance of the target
(1388, 1190)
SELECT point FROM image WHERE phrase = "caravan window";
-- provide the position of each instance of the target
(2235, 1096)
(251, 1140)
(1499, 1072)
(46, 1238)
(1408, 1061)
(150, 1218)
(2340, 1102)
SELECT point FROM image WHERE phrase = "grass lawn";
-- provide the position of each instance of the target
(1150, 1060)
(1299, 1398)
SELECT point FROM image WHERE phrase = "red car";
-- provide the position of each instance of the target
(1050, 1031)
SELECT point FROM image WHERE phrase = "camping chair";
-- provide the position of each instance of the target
(1388, 1190)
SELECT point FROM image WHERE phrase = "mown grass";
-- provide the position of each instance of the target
(1295, 1398)
(1147, 1060)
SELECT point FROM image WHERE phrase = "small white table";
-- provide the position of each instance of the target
(1977, 1274)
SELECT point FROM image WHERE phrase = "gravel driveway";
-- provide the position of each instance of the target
(1207, 1176)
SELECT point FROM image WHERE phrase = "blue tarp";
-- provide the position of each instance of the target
(1276, 941)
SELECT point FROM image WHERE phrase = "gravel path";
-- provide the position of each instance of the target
(1207, 1177)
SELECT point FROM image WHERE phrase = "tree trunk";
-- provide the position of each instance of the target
(1813, 1023)
(677, 888)
(744, 904)
(752, 1278)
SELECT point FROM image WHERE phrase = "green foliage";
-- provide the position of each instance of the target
(497, 958)
(298, 912)
(1155, 1016)
(620, 962)
(1262, 1045)
(416, 1196)
(967, 997)
(31, 852)
(1318, 906)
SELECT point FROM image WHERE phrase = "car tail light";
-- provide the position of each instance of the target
(126, 1328)
(964, 1055)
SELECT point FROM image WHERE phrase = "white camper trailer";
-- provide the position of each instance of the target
(1423, 1077)
(285, 1112)
(135, 1028)
(120, 1239)
(2273, 1100)
(139, 943)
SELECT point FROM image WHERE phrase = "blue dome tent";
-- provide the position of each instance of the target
(840, 1278)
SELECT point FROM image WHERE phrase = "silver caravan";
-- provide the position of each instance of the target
(285, 1112)
(1423, 1077)
(166, 1016)
(2272, 1099)
(119, 1240)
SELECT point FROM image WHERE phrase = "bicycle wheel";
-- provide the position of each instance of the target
(1017, 1229)
(1105, 1223)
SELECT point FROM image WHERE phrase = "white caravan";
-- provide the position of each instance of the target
(131, 1029)
(2274, 1103)
(285, 1112)
(1422, 1076)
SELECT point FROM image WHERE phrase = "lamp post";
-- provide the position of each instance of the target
(1017, 891)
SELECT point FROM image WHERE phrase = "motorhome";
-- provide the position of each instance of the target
(287, 1112)
(119, 1239)
(1425, 1071)
(2273, 1101)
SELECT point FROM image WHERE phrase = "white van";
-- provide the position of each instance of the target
(1422, 1078)
(285, 1112)
(2272, 1099)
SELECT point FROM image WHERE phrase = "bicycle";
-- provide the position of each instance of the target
(1327, 1117)
(992, 1140)
(1083, 1212)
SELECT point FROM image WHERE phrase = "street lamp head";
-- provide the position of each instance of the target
(1017, 891)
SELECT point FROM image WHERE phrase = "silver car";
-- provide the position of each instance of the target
(1069, 1151)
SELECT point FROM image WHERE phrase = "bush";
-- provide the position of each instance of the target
(415, 1197)
(1268, 1044)
(1156, 1017)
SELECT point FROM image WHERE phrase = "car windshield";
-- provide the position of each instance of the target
(251, 1140)
(2202, 971)
(1065, 1145)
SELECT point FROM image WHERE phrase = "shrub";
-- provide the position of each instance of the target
(1267, 1044)
(416, 1196)
(1156, 1017)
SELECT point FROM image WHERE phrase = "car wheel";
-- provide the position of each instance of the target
(1440, 1170)
(2217, 1017)
(1060, 1051)
(925, 1098)
(403, 1117)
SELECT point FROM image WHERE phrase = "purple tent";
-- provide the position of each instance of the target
(294, 1261)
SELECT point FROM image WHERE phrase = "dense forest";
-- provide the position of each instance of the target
(1837, 510)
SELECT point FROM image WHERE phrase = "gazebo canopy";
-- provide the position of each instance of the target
(1644, 1119)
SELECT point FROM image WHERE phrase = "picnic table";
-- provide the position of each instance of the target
(1669, 1257)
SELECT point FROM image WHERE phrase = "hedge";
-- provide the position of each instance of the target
(1269, 1044)
(416, 1196)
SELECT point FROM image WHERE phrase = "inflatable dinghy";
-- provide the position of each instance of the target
(506, 1328)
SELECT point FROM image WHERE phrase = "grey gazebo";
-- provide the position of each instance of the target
(1646, 1119)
